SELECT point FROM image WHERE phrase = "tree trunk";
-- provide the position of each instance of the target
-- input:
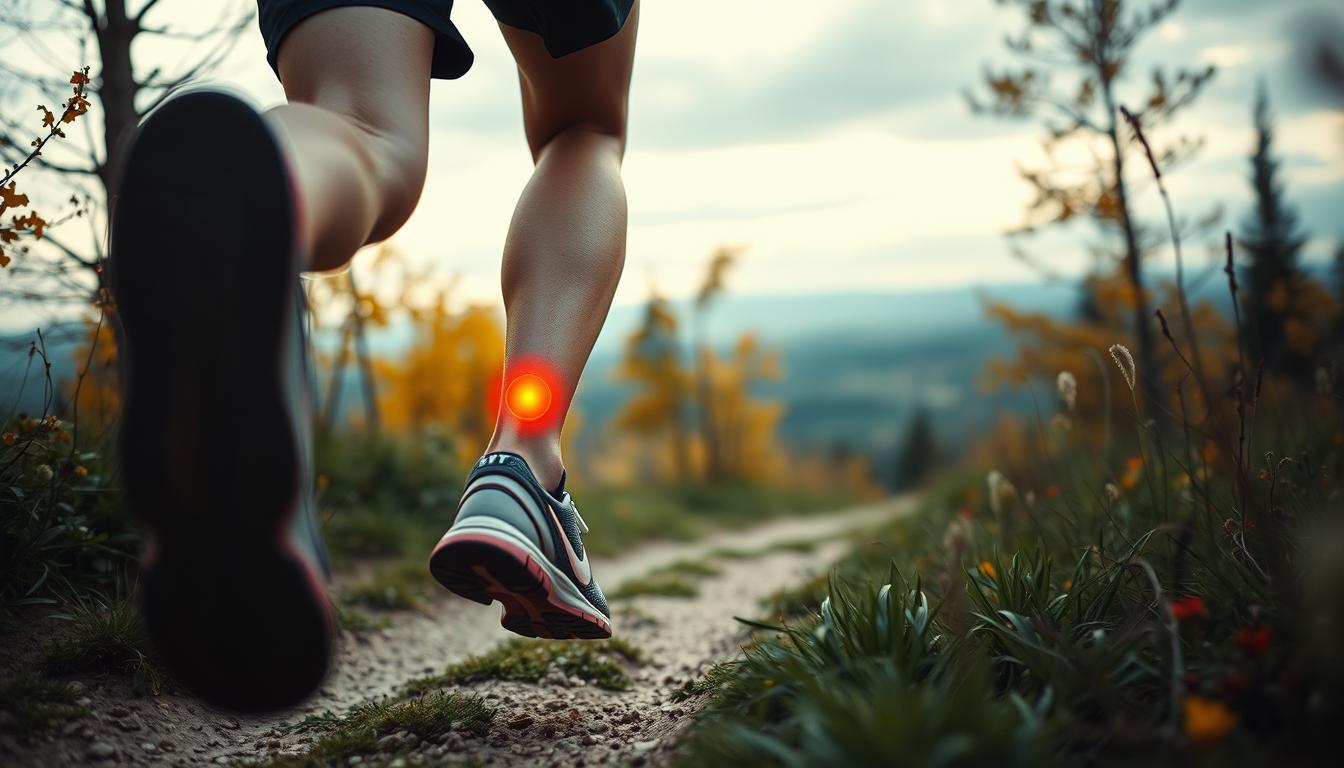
(118, 88)
(708, 428)
(365, 361)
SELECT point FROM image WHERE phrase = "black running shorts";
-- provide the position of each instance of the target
(566, 26)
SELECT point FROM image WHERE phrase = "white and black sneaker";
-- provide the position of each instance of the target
(515, 542)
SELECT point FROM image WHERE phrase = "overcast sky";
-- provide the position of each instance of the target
(833, 140)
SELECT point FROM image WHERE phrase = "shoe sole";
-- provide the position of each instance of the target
(485, 563)
(202, 268)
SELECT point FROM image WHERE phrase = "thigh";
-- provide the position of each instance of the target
(370, 64)
(588, 88)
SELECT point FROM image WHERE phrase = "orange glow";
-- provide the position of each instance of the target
(528, 397)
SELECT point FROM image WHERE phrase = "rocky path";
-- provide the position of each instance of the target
(559, 721)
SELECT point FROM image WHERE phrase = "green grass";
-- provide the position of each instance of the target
(1045, 633)
(400, 585)
(105, 637)
(800, 546)
(37, 703)
(357, 621)
(690, 568)
(358, 733)
(598, 662)
(620, 518)
(709, 682)
(656, 585)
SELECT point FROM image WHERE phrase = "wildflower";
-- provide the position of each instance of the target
(44, 473)
(1112, 492)
(81, 471)
(1052, 491)
(11, 438)
(322, 482)
(1001, 491)
(958, 535)
(1253, 641)
(1207, 721)
(1133, 471)
(1127, 368)
(1189, 608)
(1068, 389)
(1068, 584)
(768, 683)
(987, 568)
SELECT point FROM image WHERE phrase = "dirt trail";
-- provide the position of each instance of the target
(558, 721)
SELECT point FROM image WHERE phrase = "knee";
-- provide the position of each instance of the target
(396, 164)
(597, 139)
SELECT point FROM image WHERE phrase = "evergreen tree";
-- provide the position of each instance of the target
(918, 453)
(1270, 243)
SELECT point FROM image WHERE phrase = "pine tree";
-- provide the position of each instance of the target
(918, 453)
(1270, 243)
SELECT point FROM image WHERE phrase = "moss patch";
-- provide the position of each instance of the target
(530, 660)
(35, 703)
(709, 682)
(359, 732)
(660, 584)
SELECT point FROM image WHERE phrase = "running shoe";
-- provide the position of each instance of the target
(216, 437)
(515, 542)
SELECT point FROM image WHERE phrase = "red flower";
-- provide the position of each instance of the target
(1052, 491)
(1253, 641)
(1189, 608)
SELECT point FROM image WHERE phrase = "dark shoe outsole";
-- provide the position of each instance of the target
(202, 270)
(485, 571)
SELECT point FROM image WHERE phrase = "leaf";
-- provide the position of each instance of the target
(32, 221)
(48, 118)
(79, 78)
(4, 260)
(10, 197)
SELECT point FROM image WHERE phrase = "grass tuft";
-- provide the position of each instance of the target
(106, 637)
(531, 660)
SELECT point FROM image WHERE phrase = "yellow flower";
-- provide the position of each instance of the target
(81, 471)
(1207, 721)
(987, 568)
(1068, 584)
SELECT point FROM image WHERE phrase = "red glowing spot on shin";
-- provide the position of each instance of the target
(528, 397)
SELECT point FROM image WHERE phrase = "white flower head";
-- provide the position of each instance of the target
(1001, 491)
(1068, 389)
(1112, 492)
(1127, 369)
(44, 473)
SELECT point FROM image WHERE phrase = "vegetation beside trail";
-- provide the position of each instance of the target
(597, 662)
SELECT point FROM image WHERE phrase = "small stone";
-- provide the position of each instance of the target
(645, 746)
(84, 701)
(222, 760)
(149, 746)
(555, 705)
(389, 743)
(521, 722)
(274, 744)
(118, 712)
(69, 730)
(588, 740)
(167, 746)
(599, 727)
(132, 723)
(400, 762)
(100, 750)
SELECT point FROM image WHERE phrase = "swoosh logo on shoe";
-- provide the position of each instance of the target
(582, 570)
